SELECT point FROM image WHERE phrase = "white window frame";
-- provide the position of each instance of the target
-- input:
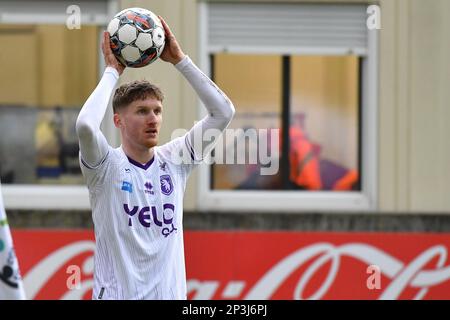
(62, 197)
(300, 201)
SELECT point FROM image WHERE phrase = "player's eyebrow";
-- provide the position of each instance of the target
(147, 106)
(144, 107)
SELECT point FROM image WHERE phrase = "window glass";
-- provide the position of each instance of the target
(323, 108)
(48, 71)
(253, 83)
(324, 149)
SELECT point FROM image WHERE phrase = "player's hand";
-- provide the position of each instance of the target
(110, 58)
(172, 52)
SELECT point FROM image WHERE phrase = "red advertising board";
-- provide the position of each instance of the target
(260, 265)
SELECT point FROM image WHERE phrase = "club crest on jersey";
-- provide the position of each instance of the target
(148, 188)
(127, 186)
(166, 184)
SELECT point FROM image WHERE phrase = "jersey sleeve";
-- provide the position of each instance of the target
(180, 153)
(93, 144)
(96, 176)
(219, 106)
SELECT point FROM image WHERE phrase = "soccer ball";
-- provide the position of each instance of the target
(136, 37)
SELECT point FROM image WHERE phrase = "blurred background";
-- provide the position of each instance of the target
(356, 90)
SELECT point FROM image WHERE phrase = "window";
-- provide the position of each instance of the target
(324, 123)
(46, 77)
(48, 71)
(314, 72)
(259, 107)
(323, 112)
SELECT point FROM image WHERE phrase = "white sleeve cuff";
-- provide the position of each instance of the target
(113, 71)
(183, 63)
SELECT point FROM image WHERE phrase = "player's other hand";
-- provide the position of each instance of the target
(172, 52)
(110, 58)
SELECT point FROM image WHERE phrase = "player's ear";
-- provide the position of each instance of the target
(117, 120)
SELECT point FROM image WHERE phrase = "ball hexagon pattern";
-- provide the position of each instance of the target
(136, 37)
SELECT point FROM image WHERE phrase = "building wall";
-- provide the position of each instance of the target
(414, 154)
(307, 222)
(39, 75)
(414, 73)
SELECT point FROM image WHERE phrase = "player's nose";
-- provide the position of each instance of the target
(152, 118)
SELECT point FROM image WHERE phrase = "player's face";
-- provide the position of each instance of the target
(140, 123)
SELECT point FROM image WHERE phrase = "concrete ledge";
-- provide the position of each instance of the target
(338, 222)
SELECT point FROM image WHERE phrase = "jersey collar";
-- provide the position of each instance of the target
(144, 166)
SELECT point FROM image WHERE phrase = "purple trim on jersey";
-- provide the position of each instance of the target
(191, 150)
(192, 154)
(92, 168)
(142, 166)
(85, 164)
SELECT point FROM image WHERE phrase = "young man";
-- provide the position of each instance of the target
(136, 191)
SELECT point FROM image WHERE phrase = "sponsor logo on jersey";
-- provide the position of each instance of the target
(127, 186)
(166, 184)
(150, 215)
(127, 170)
(148, 188)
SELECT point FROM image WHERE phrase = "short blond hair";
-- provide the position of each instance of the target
(133, 91)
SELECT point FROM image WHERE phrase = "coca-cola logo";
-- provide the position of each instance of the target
(401, 274)
(38, 276)
(415, 273)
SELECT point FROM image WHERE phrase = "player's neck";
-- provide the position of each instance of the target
(141, 155)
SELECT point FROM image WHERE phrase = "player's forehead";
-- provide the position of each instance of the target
(148, 102)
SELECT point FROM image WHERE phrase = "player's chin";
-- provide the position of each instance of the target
(151, 142)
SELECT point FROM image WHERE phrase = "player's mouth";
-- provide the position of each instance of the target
(152, 133)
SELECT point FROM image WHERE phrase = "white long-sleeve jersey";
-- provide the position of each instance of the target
(137, 208)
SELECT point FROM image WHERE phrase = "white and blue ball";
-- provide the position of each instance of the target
(136, 37)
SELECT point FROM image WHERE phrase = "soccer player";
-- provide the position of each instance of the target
(136, 191)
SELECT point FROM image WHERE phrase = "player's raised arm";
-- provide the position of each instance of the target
(93, 145)
(220, 108)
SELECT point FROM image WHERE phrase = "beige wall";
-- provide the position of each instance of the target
(12, 79)
(47, 65)
(414, 151)
(414, 169)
